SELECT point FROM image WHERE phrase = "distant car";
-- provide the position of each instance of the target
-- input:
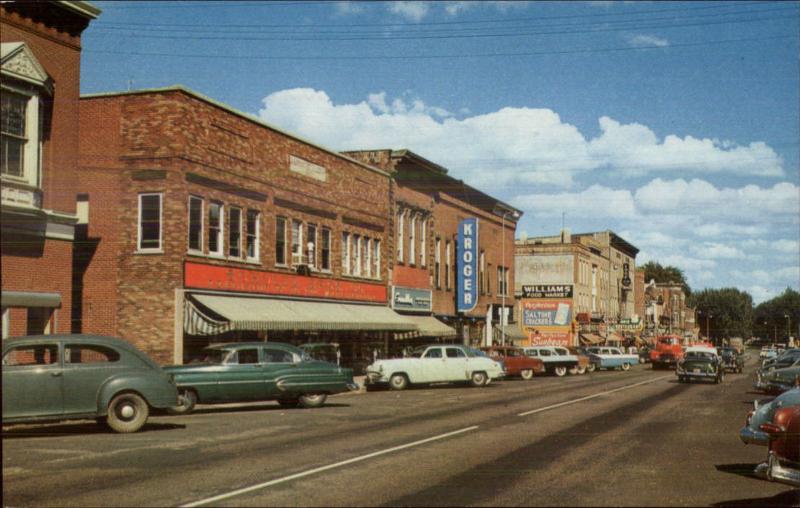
(515, 362)
(700, 363)
(435, 363)
(732, 360)
(256, 371)
(786, 358)
(611, 358)
(555, 361)
(781, 377)
(584, 365)
(69, 377)
(767, 352)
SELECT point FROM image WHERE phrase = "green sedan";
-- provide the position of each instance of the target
(256, 371)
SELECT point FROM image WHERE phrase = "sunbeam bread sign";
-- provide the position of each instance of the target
(467, 264)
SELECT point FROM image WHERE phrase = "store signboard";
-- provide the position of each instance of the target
(547, 291)
(467, 265)
(411, 299)
(546, 313)
(540, 338)
(548, 321)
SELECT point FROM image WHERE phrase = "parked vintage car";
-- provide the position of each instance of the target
(763, 412)
(611, 358)
(779, 378)
(783, 457)
(514, 361)
(584, 365)
(75, 377)
(435, 363)
(767, 352)
(700, 362)
(255, 371)
(644, 354)
(786, 358)
(732, 360)
(555, 362)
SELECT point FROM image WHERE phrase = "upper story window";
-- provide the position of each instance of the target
(357, 257)
(482, 274)
(195, 224)
(216, 217)
(447, 265)
(346, 253)
(325, 250)
(412, 240)
(24, 83)
(280, 240)
(367, 257)
(437, 264)
(376, 258)
(149, 238)
(311, 245)
(400, 234)
(235, 233)
(253, 221)
(423, 247)
(297, 242)
(502, 281)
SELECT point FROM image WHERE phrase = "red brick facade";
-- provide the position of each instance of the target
(178, 144)
(39, 210)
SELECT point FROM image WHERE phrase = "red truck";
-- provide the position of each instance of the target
(667, 352)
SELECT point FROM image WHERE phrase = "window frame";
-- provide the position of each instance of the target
(376, 258)
(325, 249)
(235, 211)
(412, 240)
(280, 243)
(423, 261)
(220, 227)
(256, 235)
(345, 253)
(202, 201)
(447, 265)
(31, 149)
(296, 225)
(311, 259)
(400, 235)
(437, 262)
(357, 259)
(152, 250)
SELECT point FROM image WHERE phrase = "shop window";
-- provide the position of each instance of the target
(311, 245)
(195, 224)
(280, 240)
(235, 233)
(253, 222)
(325, 250)
(149, 222)
(297, 242)
(216, 216)
(376, 258)
(346, 253)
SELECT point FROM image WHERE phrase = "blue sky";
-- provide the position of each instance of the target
(675, 124)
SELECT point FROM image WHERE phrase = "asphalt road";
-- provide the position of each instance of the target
(633, 438)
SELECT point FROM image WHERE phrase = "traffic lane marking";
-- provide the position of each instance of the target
(320, 469)
(581, 399)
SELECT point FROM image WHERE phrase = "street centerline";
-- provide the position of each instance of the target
(302, 474)
(574, 401)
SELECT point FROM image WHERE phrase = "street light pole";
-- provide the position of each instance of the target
(515, 215)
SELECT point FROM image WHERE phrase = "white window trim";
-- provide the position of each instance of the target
(220, 253)
(358, 258)
(189, 249)
(438, 261)
(448, 271)
(412, 240)
(286, 222)
(151, 250)
(32, 153)
(400, 234)
(323, 230)
(296, 261)
(257, 257)
(368, 258)
(311, 259)
(376, 252)
(423, 247)
(345, 253)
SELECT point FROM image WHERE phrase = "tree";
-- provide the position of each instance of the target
(771, 316)
(729, 312)
(654, 270)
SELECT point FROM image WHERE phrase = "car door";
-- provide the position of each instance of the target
(432, 366)
(33, 381)
(456, 364)
(86, 368)
(243, 376)
(278, 365)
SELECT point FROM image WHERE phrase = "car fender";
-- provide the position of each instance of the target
(156, 390)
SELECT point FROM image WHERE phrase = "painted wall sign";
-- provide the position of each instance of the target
(467, 265)
(225, 278)
(540, 338)
(411, 299)
(548, 321)
(547, 291)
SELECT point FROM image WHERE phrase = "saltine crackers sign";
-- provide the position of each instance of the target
(467, 264)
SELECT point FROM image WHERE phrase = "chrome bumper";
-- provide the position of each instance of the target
(750, 436)
(773, 470)
(353, 387)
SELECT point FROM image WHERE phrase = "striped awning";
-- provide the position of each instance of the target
(591, 338)
(429, 326)
(512, 332)
(243, 313)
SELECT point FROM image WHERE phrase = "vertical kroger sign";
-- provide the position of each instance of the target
(467, 265)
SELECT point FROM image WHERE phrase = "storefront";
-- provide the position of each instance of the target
(416, 305)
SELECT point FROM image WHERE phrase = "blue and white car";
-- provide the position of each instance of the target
(557, 360)
(611, 358)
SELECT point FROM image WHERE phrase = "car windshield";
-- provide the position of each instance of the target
(417, 353)
(699, 355)
(214, 356)
(476, 352)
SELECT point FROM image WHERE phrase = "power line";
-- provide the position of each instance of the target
(431, 57)
(464, 36)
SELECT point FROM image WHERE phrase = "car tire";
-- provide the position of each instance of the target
(127, 412)
(398, 382)
(582, 370)
(626, 366)
(312, 400)
(479, 379)
(560, 371)
(187, 400)
(573, 371)
(526, 374)
(681, 379)
(591, 367)
(289, 402)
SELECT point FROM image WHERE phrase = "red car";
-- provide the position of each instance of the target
(783, 460)
(516, 362)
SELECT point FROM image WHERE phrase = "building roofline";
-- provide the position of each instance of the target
(616, 240)
(234, 111)
(85, 9)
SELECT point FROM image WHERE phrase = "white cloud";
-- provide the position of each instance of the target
(647, 41)
(413, 11)
(596, 201)
(348, 8)
(709, 250)
(509, 147)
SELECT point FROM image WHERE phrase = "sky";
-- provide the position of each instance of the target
(674, 124)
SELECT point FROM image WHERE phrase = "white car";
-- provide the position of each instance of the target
(611, 358)
(439, 363)
(557, 360)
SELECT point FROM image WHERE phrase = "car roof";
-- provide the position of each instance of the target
(240, 345)
(71, 337)
(702, 349)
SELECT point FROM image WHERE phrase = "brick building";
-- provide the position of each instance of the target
(207, 225)
(40, 55)
(576, 288)
(428, 206)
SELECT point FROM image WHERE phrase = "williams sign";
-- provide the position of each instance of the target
(467, 264)
(547, 291)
